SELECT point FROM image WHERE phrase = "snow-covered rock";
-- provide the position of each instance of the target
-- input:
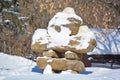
(40, 40)
(67, 19)
(65, 34)
(83, 42)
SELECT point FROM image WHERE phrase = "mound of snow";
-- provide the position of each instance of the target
(14, 65)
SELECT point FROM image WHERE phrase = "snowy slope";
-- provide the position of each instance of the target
(14, 65)
(18, 68)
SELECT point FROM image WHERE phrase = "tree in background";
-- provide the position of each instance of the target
(12, 18)
(13, 28)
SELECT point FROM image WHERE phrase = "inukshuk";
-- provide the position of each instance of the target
(61, 45)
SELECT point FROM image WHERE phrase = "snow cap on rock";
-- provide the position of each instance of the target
(69, 10)
(83, 29)
(64, 33)
(40, 35)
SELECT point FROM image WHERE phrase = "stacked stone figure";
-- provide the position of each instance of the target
(62, 44)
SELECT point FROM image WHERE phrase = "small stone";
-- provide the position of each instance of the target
(71, 55)
(42, 62)
(38, 48)
(50, 53)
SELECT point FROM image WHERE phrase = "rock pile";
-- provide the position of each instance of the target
(61, 45)
(69, 62)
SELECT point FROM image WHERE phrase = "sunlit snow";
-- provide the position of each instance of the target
(18, 68)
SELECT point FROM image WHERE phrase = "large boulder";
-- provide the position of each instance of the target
(64, 64)
(83, 42)
(65, 19)
(58, 64)
(75, 65)
(40, 41)
(80, 43)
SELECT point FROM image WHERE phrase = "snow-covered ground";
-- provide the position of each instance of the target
(18, 68)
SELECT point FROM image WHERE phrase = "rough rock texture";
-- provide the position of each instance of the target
(42, 62)
(71, 55)
(74, 25)
(75, 65)
(40, 41)
(38, 48)
(60, 64)
(50, 53)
